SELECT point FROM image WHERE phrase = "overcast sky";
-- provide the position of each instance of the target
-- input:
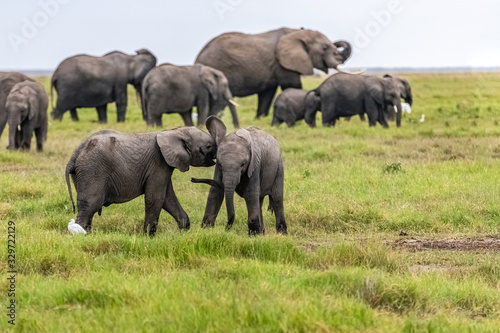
(38, 34)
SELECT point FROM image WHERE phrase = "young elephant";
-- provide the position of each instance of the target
(248, 162)
(345, 95)
(177, 89)
(289, 107)
(112, 167)
(26, 109)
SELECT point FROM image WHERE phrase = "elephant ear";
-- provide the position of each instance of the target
(255, 153)
(376, 91)
(292, 53)
(216, 128)
(173, 146)
(209, 80)
(33, 103)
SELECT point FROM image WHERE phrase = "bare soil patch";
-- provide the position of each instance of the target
(489, 243)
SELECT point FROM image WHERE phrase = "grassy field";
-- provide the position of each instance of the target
(390, 230)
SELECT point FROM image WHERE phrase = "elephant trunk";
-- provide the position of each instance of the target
(229, 194)
(234, 115)
(14, 133)
(399, 113)
(346, 49)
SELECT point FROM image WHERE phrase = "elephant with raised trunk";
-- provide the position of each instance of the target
(7, 81)
(112, 167)
(177, 89)
(88, 81)
(248, 163)
(345, 95)
(258, 64)
(26, 109)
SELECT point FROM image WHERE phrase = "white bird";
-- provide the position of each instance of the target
(75, 228)
(423, 118)
(406, 107)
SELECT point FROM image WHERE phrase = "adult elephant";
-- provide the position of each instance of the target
(258, 64)
(7, 81)
(89, 81)
(177, 89)
(345, 95)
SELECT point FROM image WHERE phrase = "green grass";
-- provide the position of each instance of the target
(350, 191)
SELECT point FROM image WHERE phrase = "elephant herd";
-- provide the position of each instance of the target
(112, 167)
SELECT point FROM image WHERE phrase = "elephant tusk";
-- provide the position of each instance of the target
(19, 127)
(356, 72)
(395, 109)
(233, 102)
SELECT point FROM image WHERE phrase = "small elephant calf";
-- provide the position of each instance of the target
(248, 162)
(26, 108)
(289, 107)
(113, 167)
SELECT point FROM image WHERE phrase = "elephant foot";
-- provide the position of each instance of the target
(282, 230)
(229, 226)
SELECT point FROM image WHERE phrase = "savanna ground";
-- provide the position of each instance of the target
(390, 230)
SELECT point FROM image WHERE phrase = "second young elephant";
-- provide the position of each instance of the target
(344, 95)
(248, 163)
(26, 109)
(113, 167)
(289, 107)
(177, 89)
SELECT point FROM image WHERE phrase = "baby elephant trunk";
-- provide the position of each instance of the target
(229, 194)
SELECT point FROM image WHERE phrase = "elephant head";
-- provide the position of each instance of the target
(22, 104)
(386, 93)
(238, 156)
(141, 64)
(187, 146)
(303, 50)
(404, 92)
(217, 85)
(312, 104)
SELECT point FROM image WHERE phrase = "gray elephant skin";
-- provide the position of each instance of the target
(248, 163)
(112, 167)
(177, 89)
(405, 93)
(88, 81)
(289, 107)
(346, 95)
(7, 81)
(26, 109)
(258, 64)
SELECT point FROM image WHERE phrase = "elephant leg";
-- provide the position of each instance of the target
(153, 205)
(74, 114)
(214, 201)
(39, 139)
(329, 118)
(371, 110)
(3, 120)
(276, 203)
(255, 223)
(187, 116)
(382, 119)
(102, 113)
(362, 116)
(265, 100)
(174, 208)
(26, 137)
(121, 106)
(155, 119)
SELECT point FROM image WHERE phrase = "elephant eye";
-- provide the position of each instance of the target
(209, 146)
(325, 47)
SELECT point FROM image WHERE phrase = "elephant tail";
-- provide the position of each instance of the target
(70, 170)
